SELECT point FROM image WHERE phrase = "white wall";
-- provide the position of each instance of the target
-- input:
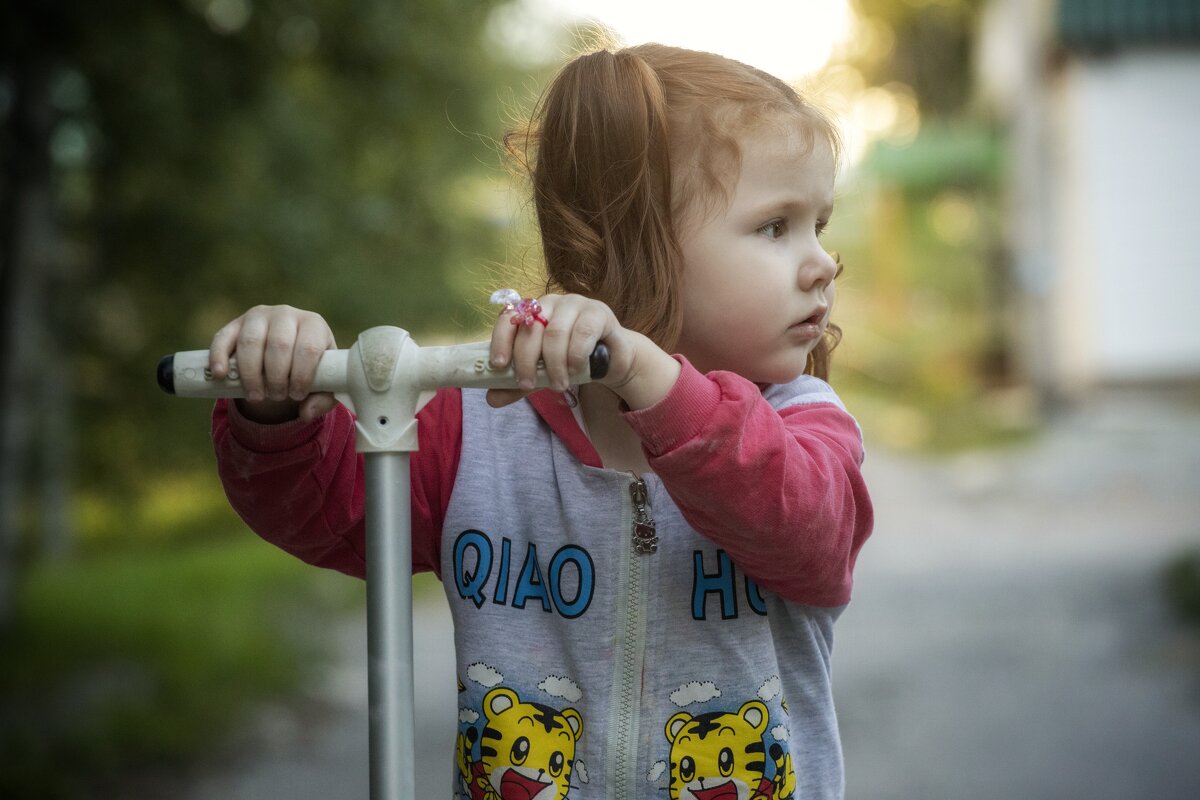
(1125, 297)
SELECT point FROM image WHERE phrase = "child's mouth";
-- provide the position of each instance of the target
(810, 326)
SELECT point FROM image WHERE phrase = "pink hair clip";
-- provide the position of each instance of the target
(526, 310)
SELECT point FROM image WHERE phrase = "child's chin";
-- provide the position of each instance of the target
(780, 373)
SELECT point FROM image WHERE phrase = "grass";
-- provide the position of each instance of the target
(143, 656)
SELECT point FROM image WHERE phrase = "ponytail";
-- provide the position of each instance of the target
(602, 189)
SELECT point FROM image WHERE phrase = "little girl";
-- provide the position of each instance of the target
(643, 582)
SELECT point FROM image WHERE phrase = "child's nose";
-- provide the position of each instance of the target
(818, 270)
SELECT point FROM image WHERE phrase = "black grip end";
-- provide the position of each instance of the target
(166, 374)
(598, 363)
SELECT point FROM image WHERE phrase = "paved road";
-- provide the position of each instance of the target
(1007, 638)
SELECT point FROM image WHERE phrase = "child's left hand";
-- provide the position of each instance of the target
(639, 371)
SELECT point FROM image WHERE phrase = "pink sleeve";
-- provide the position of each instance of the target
(300, 485)
(780, 491)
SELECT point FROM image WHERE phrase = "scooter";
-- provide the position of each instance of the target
(388, 378)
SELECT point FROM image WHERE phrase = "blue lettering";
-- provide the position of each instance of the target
(567, 588)
(586, 580)
(755, 598)
(720, 584)
(500, 596)
(470, 582)
(530, 583)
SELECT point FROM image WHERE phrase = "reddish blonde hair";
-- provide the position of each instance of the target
(626, 146)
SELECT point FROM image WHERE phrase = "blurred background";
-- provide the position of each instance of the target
(1017, 213)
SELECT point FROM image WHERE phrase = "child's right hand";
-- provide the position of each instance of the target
(278, 348)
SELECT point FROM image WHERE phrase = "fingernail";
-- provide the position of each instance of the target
(499, 361)
(525, 384)
(255, 396)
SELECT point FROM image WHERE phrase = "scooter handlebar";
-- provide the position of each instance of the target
(187, 374)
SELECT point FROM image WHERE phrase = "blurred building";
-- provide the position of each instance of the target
(1103, 102)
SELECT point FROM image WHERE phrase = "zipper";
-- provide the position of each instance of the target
(645, 534)
(627, 682)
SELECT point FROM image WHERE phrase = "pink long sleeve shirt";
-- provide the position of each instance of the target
(780, 490)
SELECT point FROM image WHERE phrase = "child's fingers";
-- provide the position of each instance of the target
(252, 334)
(556, 341)
(313, 338)
(503, 335)
(223, 344)
(279, 353)
(592, 325)
(527, 351)
(576, 326)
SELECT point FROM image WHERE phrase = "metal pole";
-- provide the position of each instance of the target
(389, 626)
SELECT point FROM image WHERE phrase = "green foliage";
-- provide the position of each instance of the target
(145, 655)
(214, 154)
(925, 45)
(963, 154)
(208, 155)
(925, 358)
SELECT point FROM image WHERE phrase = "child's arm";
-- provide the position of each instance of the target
(299, 485)
(781, 492)
(290, 469)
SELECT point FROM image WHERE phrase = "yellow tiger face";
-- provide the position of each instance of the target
(527, 749)
(719, 755)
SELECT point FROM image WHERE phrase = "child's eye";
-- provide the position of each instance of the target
(773, 229)
(821, 225)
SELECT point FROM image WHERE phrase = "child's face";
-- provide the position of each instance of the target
(757, 285)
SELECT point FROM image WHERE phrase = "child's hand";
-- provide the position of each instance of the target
(639, 371)
(278, 348)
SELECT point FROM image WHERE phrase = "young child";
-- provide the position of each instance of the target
(643, 582)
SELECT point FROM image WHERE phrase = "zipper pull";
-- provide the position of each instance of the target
(645, 534)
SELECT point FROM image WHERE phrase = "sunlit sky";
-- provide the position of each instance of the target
(788, 38)
(792, 39)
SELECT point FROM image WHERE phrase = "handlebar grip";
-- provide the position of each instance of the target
(166, 373)
(599, 361)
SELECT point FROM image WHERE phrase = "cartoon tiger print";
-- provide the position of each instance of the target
(526, 750)
(722, 756)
